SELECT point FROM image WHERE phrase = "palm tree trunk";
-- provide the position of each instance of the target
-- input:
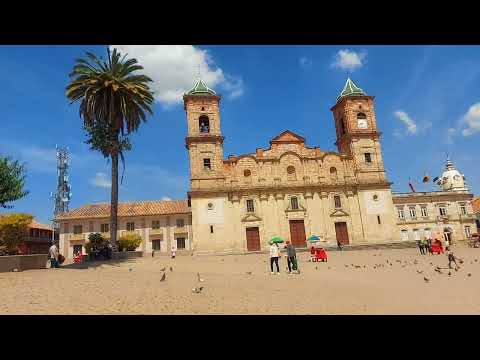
(114, 202)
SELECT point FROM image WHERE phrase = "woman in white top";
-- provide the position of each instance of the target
(274, 255)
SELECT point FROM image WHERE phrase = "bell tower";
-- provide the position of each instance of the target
(204, 140)
(357, 133)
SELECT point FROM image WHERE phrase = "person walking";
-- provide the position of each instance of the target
(420, 246)
(291, 257)
(452, 258)
(274, 255)
(173, 252)
(339, 245)
(447, 244)
(53, 256)
(429, 244)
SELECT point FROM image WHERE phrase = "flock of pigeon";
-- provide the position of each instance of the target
(404, 263)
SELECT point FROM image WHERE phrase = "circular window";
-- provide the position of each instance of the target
(290, 170)
(375, 197)
(333, 170)
(247, 173)
(210, 206)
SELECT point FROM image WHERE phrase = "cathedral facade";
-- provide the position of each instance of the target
(288, 189)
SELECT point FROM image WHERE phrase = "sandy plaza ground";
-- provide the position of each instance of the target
(350, 283)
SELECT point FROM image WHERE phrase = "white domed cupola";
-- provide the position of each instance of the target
(451, 179)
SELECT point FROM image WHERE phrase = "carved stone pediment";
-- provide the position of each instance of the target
(251, 217)
(339, 212)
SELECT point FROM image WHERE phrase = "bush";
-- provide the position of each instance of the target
(129, 242)
(95, 244)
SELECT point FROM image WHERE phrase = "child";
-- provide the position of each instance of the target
(173, 252)
(452, 258)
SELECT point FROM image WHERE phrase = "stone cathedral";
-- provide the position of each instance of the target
(288, 189)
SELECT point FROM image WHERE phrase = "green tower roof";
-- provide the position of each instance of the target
(200, 89)
(350, 89)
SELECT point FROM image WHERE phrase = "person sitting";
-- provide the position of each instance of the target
(312, 253)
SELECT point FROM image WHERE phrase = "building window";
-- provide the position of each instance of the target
(378, 219)
(250, 206)
(180, 223)
(291, 173)
(77, 229)
(368, 158)
(337, 201)
(463, 209)
(294, 203)
(206, 164)
(404, 235)
(181, 243)
(156, 224)
(424, 212)
(211, 229)
(413, 213)
(104, 228)
(90, 226)
(204, 124)
(156, 245)
(130, 226)
(468, 231)
(416, 234)
(443, 210)
(247, 173)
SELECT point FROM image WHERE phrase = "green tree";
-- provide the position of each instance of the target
(12, 181)
(13, 227)
(114, 101)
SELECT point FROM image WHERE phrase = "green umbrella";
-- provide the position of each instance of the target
(276, 240)
(313, 238)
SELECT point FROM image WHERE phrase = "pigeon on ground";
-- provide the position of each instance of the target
(129, 269)
(456, 269)
(316, 267)
(163, 269)
(449, 273)
(164, 276)
(199, 278)
(197, 290)
(426, 279)
(346, 265)
(420, 272)
(431, 264)
(329, 268)
(171, 268)
(469, 274)
(249, 273)
(438, 270)
(476, 260)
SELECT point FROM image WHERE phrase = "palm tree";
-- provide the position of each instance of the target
(114, 101)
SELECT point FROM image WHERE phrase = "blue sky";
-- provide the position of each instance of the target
(427, 104)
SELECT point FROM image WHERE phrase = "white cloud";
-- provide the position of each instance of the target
(305, 62)
(166, 198)
(472, 120)
(349, 60)
(451, 132)
(408, 121)
(101, 180)
(174, 68)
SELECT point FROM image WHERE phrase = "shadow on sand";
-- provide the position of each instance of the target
(97, 263)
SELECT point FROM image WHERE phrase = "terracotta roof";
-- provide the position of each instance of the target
(35, 225)
(135, 208)
(476, 205)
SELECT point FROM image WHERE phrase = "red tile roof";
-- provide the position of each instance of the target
(135, 208)
(476, 205)
(35, 225)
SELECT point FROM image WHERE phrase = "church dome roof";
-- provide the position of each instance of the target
(200, 88)
(452, 179)
(350, 89)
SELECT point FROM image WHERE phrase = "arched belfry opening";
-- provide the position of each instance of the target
(204, 124)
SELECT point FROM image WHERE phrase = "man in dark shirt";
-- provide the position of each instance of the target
(291, 257)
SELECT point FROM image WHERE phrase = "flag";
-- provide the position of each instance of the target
(411, 186)
(435, 179)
